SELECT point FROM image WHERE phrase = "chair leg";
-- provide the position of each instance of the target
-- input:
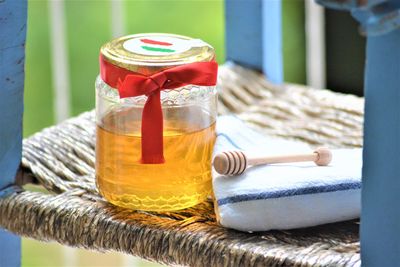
(12, 55)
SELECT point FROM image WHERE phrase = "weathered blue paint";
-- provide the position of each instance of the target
(10, 247)
(375, 16)
(12, 55)
(272, 40)
(380, 216)
(380, 19)
(349, 4)
(254, 35)
(243, 32)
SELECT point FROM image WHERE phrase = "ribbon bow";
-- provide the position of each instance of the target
(131, 84)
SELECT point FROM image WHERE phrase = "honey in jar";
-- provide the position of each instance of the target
(181, 176)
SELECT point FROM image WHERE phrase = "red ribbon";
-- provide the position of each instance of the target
(131, 84)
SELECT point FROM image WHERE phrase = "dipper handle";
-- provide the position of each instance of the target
(236, 162)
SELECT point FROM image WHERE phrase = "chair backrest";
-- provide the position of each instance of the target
(277, 37)
(254, 36)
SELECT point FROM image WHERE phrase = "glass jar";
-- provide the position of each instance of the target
(182, 178)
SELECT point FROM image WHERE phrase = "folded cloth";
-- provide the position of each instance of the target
(283, 196)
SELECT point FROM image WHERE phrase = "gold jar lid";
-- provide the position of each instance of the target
(151, 52)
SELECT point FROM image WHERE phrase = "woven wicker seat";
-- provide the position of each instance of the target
(61, 159)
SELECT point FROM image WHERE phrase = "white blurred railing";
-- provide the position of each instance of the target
(315, 44)
(59, 57)
(117, 18)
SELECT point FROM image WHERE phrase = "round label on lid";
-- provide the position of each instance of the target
(158, 45)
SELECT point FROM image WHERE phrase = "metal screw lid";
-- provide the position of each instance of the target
(149, 53)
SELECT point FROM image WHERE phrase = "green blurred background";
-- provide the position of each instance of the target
(88, 26)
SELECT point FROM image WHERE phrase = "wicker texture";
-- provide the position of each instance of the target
(61, 159)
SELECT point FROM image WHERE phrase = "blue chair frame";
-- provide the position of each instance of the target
(13, 18)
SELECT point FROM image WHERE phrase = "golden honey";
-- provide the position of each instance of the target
(182, 181)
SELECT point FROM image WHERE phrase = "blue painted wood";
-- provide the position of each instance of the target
(10, 247)
(243, 38)
(272, 40)
(254, 35)
(349, 4)
(380, 217)
(12, 55)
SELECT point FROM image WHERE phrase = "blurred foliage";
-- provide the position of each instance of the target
(40, 254)
(294, 43)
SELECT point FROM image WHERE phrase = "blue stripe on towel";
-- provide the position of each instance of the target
(290, 192)
(229, 140)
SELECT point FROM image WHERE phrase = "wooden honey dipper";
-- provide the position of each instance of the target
(236, 162)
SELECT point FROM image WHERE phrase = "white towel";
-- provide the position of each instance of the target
(283, 196)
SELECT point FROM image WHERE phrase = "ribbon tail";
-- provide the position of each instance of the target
(152, 130)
